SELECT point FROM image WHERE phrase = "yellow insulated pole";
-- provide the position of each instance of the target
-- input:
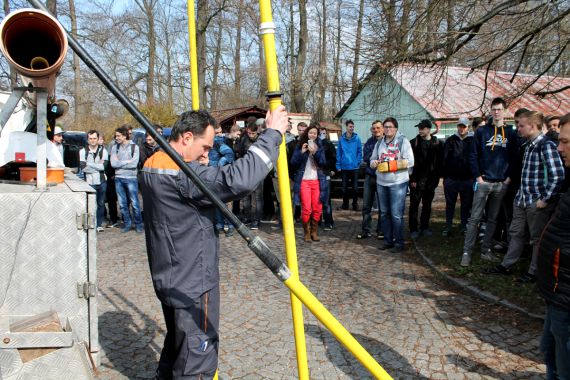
(193, 56)
(338, 330)
(194, 70)
(267, 30)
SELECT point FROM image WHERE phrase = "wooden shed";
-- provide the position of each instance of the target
(442, 94)
(228, 117)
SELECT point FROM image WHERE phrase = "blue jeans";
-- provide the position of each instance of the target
(352, 177)
(392, 207)
(555, 343)
(490, 194)
(452, 188)
(370, 193)
(101, 189)
(127, 192)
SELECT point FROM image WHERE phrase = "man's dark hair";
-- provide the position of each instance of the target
(250, 121)
(552, 117)
(315, 124)
(520, 112)
(476, 121)
(192, 121)
(376, 122)
(391, 120)
(302, 124)
(252, 127)
(91, 131)
(349, 121)
(564, 120)
(123, 130)
(499, 100)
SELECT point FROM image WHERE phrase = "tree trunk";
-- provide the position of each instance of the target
(237, 56)
(202, 12)
(51, 5)
(297, 88)
(320, 112)
(336, 65)
(76, 68)
(357, 47)
(216, 69)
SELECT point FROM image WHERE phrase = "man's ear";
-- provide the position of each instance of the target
(188, 138)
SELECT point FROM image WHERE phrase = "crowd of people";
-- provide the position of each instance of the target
(509, 179)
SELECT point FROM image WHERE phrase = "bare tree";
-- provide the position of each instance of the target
(297, 90)
(322, 78)
(148, 9)
(76, 67)
(357, 43)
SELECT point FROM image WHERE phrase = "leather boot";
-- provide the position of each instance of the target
(307, 230)
(315, 230)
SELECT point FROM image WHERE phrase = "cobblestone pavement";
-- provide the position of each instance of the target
(414, 325)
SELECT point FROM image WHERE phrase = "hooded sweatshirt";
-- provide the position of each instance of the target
(397, 149)
(493, 149)
(456, 153)
(349, 152)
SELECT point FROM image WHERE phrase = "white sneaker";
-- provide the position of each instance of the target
(100, 229)
(490, 256)
(465, 259)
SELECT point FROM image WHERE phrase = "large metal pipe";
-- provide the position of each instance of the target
(35, 44)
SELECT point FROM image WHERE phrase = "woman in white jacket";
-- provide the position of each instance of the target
(393, 159)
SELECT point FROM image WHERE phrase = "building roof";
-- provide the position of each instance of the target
(231, 114)
(449, 92)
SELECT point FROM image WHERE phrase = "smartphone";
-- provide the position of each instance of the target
(311, 143)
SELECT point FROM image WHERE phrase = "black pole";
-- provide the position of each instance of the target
(255, 243)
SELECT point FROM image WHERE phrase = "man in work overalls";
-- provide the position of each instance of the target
(182, 241)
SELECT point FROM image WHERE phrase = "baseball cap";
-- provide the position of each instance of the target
(463, 121)
(424, 124)
(57, 130)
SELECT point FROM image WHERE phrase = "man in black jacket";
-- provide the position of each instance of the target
(370, 187)
(553, 276)
(424, 178)
(330, 154)
(457, 177)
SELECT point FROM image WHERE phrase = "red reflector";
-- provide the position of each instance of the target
(20, 157)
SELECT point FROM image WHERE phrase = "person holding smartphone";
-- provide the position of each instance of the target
(310, 185)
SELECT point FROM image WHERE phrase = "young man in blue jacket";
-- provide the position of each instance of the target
(494, 147)
(348, 159)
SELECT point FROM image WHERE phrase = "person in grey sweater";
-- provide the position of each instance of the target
(393, 160)
(93, 160)
(125, 159)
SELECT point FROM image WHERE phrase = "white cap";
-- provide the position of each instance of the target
(57, 130)
(463, 121)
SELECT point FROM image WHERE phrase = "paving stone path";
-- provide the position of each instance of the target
(415, 325)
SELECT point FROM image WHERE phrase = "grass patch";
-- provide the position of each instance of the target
(445, 252)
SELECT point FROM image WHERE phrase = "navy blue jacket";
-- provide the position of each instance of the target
(553, 263)
(491, 155)
(367, 150)
(456, 153)
(298, 163)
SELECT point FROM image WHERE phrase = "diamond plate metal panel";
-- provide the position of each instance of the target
(63, 364)
(43, 254)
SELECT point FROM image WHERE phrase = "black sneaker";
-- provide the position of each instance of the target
(328, 227)
(254, 225)
(364, 235)
(498, 270)
(526, 278)
(386, 247)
